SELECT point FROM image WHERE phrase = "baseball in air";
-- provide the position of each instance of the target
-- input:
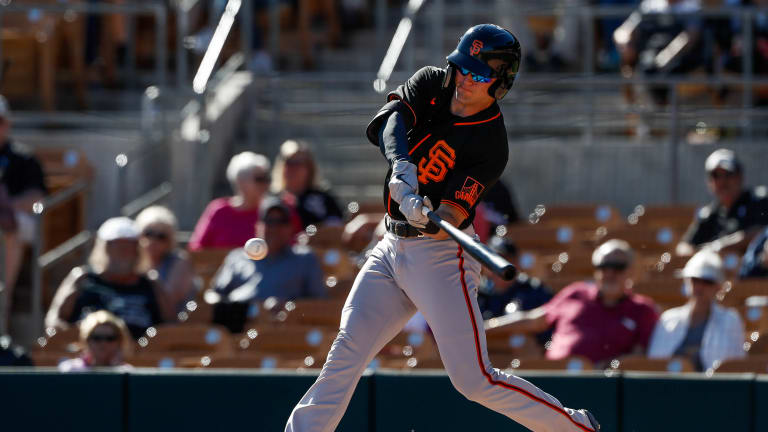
(256, 248)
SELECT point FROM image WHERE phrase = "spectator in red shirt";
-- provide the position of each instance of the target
(228, 222)
(600, 320)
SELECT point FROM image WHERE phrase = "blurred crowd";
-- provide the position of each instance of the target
(139, 277)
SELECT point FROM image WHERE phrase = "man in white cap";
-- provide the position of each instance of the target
(736, 214)
(21, 185)
(700, 330)
(112, 282)
(600, 320)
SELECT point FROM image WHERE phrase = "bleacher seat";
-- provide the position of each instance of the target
(645, 364)
(510, 343)
(286, 340)
(677, 217)
(643, 239)
(570, 364)
(665, 293)
(316, 312)
(544, 239)
(580, 216)
(59, 340)
(188, 340)
(252, 361)
(41, 358)
(410, 344)
(753, 364)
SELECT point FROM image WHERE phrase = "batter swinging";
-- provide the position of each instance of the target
(443, 134)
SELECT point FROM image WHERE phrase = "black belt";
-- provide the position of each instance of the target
(401, 228)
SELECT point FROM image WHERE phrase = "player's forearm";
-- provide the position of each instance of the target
(449, 215)
(393, 140)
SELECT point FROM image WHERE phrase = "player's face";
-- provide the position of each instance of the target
(471, 93)
(725, 185)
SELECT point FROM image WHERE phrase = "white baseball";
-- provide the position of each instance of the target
(256, 248)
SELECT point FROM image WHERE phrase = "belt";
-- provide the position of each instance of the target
(401, 228)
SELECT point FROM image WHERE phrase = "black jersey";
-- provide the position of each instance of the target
(714, 221)
(458, 158)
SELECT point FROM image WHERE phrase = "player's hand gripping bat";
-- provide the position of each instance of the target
(481, 252)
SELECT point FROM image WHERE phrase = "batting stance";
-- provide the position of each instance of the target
(444, 137)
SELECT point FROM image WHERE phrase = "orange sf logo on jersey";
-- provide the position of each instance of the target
(441, 158)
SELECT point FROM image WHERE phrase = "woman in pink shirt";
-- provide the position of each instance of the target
(229, 222)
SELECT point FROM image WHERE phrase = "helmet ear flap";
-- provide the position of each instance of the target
(448, 75)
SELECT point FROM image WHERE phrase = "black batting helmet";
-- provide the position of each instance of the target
(492, 51)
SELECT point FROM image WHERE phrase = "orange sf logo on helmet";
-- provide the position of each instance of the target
(477, 45)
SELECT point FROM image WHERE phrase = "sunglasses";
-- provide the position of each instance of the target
(157, 235)
(276, 221)
(718, 175)
(618, 266)
(475, 77)
(102, 338)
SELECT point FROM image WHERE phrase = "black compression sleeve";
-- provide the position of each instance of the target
(392, 138)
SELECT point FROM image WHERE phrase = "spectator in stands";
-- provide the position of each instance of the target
(113, 282)
(295, 179)
(654, 41)
(496, 208)
(288, 272)
(755, 261)
(497, 297)
(734, 40)
(106, 343)
(736, 214)
(22, 186)
(228, 222)
(701, 330)
(13, 355)
(157, 226)
(600, 320)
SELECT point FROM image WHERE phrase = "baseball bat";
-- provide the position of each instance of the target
(490, 259)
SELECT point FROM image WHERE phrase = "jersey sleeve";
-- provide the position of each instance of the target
(470, 182)
(411, 99)
(700, 230)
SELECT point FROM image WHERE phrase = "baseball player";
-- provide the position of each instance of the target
(444, 137)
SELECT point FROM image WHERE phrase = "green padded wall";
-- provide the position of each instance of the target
(426, 402)
(227, 400)
(688, 402)
(52, 401)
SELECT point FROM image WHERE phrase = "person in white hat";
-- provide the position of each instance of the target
(700, 330)
(735, 215)
(111, 281)
(21, 185)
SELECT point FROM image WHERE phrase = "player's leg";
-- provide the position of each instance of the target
(446, 296)
(375, 311)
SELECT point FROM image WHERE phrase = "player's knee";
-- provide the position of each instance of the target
(470, 386)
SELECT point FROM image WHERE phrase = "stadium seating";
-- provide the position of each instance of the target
(205, 263)
(645, 364)
(580, 216)
(187, 340)
(754, 364)
(316, 312)
(285, 340)
(570, 364)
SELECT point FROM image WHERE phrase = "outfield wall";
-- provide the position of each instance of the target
(149, 401)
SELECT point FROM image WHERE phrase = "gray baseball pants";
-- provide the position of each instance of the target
(439, 279)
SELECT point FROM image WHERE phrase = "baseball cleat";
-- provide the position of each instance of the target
(592, 420)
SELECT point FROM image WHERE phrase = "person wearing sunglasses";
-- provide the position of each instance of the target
(734, 217)
(112, 280)
(295, 178)
(22, 184)
(700, 330)
(443, 138)
(600, 319)
(228, 222)
(158, 225)
(105, 341)
(288, 271)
